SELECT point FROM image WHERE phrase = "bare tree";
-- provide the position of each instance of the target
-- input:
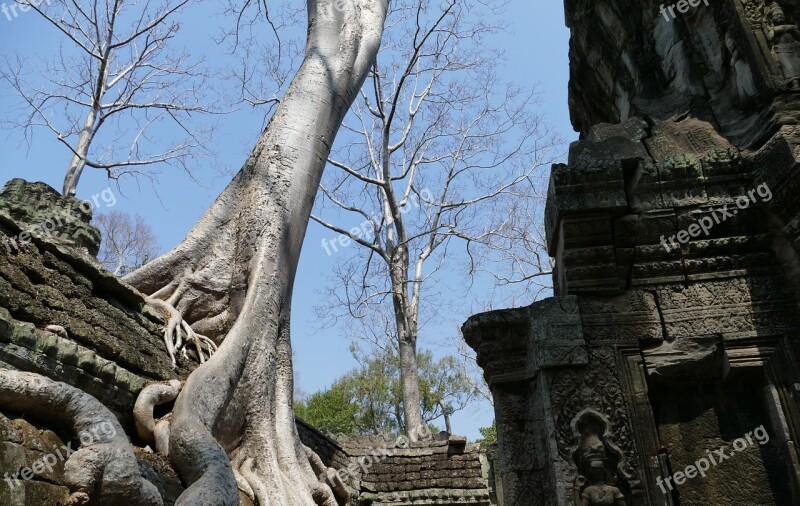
(127, 243)
(440, 155)
(231, 279)
(264, 65)
(119, 69)
(232, 427)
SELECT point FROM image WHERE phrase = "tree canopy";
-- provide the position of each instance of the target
(368, 399)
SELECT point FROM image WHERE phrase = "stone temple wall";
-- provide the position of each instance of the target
(109, 343)
(439, 471)
(113, 344)
(28, 447)
(729, 62)
(675, 227)
(383, 471)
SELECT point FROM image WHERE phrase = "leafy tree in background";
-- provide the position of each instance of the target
(332, 410)
(489, 433)
(369, 399)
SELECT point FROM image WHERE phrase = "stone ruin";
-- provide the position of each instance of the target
(386, 471)
(673, 332)
(672, 335)
(64, 316)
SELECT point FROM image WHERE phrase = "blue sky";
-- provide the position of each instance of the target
(536, 47)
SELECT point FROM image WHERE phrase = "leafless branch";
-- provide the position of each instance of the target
(119, 64)
(447, 162)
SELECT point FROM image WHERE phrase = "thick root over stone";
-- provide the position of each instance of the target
(231, 279)
(173, 334)
(151, 396)
(104, 470)
(328, 475)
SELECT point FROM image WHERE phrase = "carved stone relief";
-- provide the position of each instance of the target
(598, 387)
(597, 459)
(784, 39)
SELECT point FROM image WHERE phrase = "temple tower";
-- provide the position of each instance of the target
(675, 224)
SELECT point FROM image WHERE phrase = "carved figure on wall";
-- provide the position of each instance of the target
(784, 37)
(754, 10)
(597, 460)
(743, 75)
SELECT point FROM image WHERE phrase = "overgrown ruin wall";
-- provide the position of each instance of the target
(113, 345)
(106, 340)
(62, 315)
(385, 470)
(445, 471)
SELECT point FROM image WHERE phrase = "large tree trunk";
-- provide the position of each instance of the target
(409, 378)
(91, 123)
(78, 161)
(232, 279)
(406, 322)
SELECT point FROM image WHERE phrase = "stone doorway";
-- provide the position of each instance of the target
(696, 420)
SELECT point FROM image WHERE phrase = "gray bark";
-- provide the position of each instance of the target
(104, 469)
(90, 125)
(151, 396)
(448, 427)
(409, 374)
(232, 279)
(405, 313)
(81, 152)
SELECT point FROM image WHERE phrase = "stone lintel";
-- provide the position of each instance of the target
(514, 345)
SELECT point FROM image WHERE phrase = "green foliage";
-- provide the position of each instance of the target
(489, 433)
(331, 410)
(368, 399)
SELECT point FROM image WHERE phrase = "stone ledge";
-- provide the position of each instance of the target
(44, 283)
(428, 496)
(33, 204)
(27, 349)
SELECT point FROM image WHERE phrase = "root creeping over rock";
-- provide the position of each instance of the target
(174, 331)
(104, 470)
(151, 396)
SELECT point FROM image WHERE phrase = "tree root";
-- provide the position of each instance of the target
(57, 330)
(253, 482)
(232, 278)
(104, 470)
(151, 396)
(161, 435)
(262, 486)
(244, 485)
(330, 476)
(173, 337)
(320, 493)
